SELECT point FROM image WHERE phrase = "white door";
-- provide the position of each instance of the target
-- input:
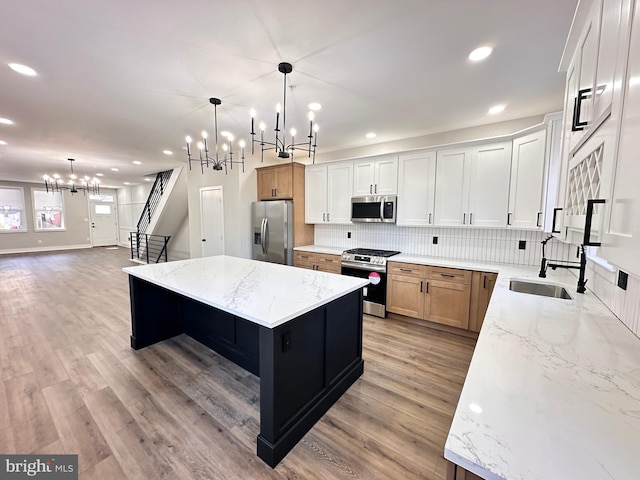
(489, 185)
(212, 221)
(104, 224)
(339, 185)
(527, 181)
(416, 186)
(315, 190)
(452, 187)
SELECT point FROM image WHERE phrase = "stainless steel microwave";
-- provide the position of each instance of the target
(374, 208)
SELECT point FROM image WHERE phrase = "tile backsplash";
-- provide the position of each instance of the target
(488, 245)
(480, 244)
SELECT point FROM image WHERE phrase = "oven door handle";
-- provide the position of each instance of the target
(369, 268)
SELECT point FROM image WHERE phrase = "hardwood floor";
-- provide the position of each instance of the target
(70, 383)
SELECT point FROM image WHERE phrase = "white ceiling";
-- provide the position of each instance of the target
(123, 80)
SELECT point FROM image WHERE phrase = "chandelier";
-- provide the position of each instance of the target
(280, 144)
(74, 184)
(218, 159)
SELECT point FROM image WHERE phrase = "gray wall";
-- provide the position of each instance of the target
(75, 235)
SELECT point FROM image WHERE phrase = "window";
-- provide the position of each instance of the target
(48, 210)
(12, 209)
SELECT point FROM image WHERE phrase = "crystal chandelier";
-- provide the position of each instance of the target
(280, 144)
(74, 184)
(218, 159)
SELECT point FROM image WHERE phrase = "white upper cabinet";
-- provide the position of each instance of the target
(376, 176)
(489, 185)
(328, 192)
(453, 170)
(527, 182)
(416, 188)
(472, 185)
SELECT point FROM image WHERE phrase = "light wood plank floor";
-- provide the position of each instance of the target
(70, 383)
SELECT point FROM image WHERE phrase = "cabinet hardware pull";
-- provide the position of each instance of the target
(375, 188)
(371, 188)
(275, 190)
(464, 218)
(538, 219)
(429, 219)
(328, 260)
(588, 221)
(509, 218)
(427, 289)
(420, 286)
(447, 275)
(304, 256)
(323, 216)
(405, 269)
(484, 282)
(327, 216)
(470, 218)
(553, 223)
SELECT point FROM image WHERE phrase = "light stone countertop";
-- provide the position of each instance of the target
(553, 389)
(264, 293)
(321, 249)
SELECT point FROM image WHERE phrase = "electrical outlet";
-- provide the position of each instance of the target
(348, 234)
(623, 277)
(522, 244)
(435, 240)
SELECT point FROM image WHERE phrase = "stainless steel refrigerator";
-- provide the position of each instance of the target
(272, 230)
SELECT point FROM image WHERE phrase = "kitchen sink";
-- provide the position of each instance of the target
(539, 288)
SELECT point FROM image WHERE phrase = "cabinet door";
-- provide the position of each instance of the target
(315, 192)
(482, 284)
(527, 182)
(448, 303)
(386, 176)
(405, 295)
(416, 189)
(363, 177)
(339, 188)
(267, 179)
(328, 263)
(284, 182)
(304, 260)
(489, 185)
(452, 187)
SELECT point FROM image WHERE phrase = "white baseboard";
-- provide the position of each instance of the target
(44, 249)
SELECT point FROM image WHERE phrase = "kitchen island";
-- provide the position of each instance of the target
(299, 330)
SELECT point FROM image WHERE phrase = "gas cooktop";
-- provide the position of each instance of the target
(371, 252)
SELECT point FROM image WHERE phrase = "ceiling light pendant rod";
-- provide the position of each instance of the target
(280, 146)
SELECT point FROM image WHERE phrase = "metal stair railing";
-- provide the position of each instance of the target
(162, 179)
(149, 248)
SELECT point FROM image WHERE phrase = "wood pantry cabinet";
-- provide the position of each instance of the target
(317, 261)
(437, 294)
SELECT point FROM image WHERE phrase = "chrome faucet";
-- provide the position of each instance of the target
(581, 265)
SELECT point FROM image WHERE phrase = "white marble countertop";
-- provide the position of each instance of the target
(553, 389)
(321, 249)
(264, 293)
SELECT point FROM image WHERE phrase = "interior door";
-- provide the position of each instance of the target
(212, 221)
(104, 224)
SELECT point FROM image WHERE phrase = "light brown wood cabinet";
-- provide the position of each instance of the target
(286, 182)
(276, 182)
(437, 294)
(482, 284)
(317, 261)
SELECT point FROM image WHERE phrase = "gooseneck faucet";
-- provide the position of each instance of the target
(581, 265)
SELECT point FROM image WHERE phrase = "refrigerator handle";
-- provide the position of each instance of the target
(263, 235)
(266, 236)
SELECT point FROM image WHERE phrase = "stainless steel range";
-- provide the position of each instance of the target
(372, 265)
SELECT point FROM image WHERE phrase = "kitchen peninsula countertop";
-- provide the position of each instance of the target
(264, 293)
(553, 388)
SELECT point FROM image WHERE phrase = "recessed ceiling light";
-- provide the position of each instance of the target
(6, 121)
(496, 109)
(315, 106)
(137, 162)
(146, 179)
(99, 174)
(225, 134)
(114, 169)
(23, 69)
(370, 135)
(167, 152)
(2, 142)
(480, 54)
(127, 183)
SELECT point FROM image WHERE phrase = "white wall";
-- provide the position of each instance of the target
(131, 201)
